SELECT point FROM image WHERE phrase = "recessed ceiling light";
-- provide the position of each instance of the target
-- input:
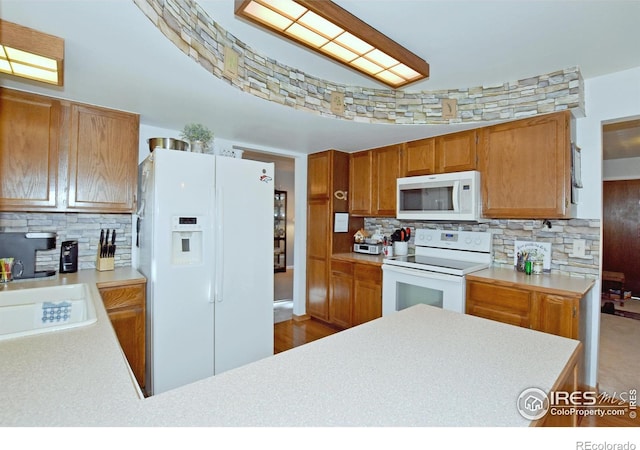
(327, 28)
(28, 53)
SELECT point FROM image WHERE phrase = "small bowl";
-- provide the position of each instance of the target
(170, 143)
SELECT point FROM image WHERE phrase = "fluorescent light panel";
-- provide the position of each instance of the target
(28, 53)
(325, 27)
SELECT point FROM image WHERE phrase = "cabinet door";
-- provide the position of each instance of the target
(456, 152)
(125, 306)
(419, 157)
(557, 315)
(367, 293)
(29, 140)
(103, 160)
(319, 175)
(340, 293)
(360, 183)
(499, 303)
(386, 170)
(318, 252)
(525, 168)
(128, 325)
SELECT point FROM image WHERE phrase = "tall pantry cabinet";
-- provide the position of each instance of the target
(327, 194)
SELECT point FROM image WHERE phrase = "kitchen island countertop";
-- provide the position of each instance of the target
(422, 366)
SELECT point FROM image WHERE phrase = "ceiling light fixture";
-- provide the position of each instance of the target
(325, 27)
(28, 53)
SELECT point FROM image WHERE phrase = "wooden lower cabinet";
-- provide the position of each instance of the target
(526, 307)
(367, 293)
(355, 293)
(341, 293)
(125, 305)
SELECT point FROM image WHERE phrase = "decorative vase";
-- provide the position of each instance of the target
(197, 146)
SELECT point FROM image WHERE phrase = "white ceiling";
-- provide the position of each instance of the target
(116, 58)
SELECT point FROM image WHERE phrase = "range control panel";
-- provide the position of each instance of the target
(480, 241)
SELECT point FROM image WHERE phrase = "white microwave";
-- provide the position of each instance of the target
(451, 196)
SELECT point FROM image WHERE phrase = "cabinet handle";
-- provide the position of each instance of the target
(574, 312)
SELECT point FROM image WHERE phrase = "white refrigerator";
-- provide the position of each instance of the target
(205, 238)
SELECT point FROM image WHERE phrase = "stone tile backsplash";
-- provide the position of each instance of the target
(506, 232)
(82, 227)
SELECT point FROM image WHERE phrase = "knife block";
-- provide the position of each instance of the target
(103, 264)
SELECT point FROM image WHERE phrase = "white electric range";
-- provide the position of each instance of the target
(435, 274)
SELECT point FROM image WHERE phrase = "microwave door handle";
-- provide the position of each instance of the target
(456, 196)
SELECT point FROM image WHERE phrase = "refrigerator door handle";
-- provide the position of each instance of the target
(219, 252)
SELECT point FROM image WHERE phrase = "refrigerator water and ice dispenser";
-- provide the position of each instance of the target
(186, 240)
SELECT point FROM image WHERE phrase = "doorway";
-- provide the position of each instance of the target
(283, 275)
(619, 364)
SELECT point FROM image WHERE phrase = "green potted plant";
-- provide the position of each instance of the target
(198, 136)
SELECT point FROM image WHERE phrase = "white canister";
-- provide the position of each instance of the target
(387, 251)
(400, 248)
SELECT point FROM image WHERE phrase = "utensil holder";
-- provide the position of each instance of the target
(400, 248)
(103, 263)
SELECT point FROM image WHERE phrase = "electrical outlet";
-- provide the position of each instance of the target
(579, 247)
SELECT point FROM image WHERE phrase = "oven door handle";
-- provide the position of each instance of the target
(421, 273)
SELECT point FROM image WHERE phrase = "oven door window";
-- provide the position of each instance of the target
(408, 295)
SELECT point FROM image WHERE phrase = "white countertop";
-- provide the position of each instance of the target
(66, 377)
(419, 367)
(545, 282)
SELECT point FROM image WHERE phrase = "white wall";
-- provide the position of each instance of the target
(610, 97)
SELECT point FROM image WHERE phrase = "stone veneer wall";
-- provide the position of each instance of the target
(85, 228)
(506, 232)
(196, 34)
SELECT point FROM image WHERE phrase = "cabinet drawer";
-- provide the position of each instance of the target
(342, 267)
(500, 303)
(368, 273)
(120, 297)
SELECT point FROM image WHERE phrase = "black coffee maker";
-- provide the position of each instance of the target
(69, 257)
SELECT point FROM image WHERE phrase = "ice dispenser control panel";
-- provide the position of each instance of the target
(186, 240)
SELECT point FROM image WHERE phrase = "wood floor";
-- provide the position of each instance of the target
(292, 333)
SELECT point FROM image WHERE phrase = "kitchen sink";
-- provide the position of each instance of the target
(26, 312)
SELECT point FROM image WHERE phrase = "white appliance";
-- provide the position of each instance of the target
(206, 247)
(451, 196)
(435, 274)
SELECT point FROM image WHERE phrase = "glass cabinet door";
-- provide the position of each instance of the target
(280, 232)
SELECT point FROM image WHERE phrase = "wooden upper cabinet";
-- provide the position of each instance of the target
(526, 168)
(361, 182)
(372, 180)
(29, 146)
(103, 156)
(453, 152)
(57, 155)
(457, 151)
(419, 157)
(319, 175)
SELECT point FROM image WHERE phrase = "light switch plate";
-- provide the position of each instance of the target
(578, 247)
(337, 103)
